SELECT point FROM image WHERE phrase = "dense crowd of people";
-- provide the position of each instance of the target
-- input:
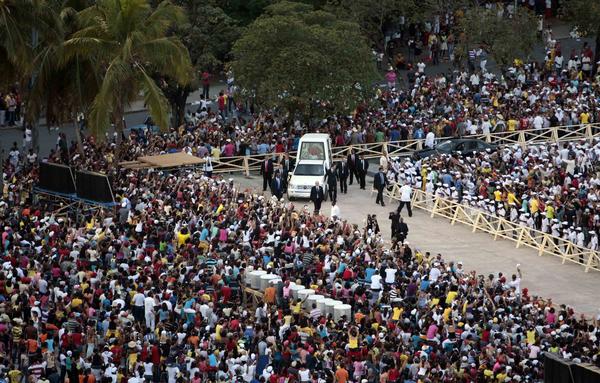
(153, 292)
(553, 188)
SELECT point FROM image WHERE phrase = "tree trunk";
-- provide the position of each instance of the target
(178, 104)
(78, 135)
(35, 135)
(119, 128)
(596, 52)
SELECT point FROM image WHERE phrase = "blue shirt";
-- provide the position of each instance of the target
(204, 234)
(447, 179)
(341, 268)
(369, 272)
(263, 148)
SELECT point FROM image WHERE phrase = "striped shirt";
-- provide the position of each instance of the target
(315, 313)
(307, 259)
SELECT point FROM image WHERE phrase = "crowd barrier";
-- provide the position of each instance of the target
(247, 164)
(479, 220)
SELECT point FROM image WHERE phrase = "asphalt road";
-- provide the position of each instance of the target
(48, 138)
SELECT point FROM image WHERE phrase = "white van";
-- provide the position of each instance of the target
(313, 159)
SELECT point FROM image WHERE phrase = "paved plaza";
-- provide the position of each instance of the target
(544, 276)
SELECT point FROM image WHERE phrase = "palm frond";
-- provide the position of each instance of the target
(169, 57)
(164, 17)
(107, 98)
(155, 100)
(90, 47)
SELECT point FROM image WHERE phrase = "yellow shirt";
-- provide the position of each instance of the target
(447, 313)
(451, 297)
(218, 329)
(584, 118)
(297, 308)
(15, 376)
(435, 302)
(549, 212)
(531, 337)
(512, 125)
(512, 198)
(534, 205)
(397, 314)
(181, 238)
(353, 342)
(76, 302)
(419, 257)
(497, 195)
(133, 358)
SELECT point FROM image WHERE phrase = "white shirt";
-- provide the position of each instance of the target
(376, 282)
(172, 372)
(405, 193)
(434, 274)
(390, 275)
(335, 211)
(538, 122)
(430, 140)
(148, 368)
(149, 304)
(138, 299)
(516, 284)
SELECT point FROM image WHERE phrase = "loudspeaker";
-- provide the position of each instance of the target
(94, 186)
(57, 178)
(557, 370)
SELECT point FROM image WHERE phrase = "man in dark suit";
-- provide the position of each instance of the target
(361, 170)
(277, 186)
(285, 171)
(351, 162)
(331, 178)
(317, 196)
(266, 170)
(343, 173)
(380, 182)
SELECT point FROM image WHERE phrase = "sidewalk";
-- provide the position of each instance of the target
(215, 88)
(139, 105)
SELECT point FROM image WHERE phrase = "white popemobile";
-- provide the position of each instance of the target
(312, 161)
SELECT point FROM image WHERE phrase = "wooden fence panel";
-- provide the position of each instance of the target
(479, 220)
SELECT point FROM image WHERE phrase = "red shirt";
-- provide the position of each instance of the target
(155, 355)
(205, 78)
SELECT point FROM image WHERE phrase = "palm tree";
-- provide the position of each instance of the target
(60, 89)
(15, 32)
(130, 45)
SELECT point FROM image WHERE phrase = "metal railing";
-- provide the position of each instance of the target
(499, 227)
(246, 164)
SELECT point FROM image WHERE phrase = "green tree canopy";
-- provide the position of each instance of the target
(208, 35)
(60, 87)
(374, 17)
(20, 21)
(503, 37)
(585, 14)
(128, 41)
(294, 57)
